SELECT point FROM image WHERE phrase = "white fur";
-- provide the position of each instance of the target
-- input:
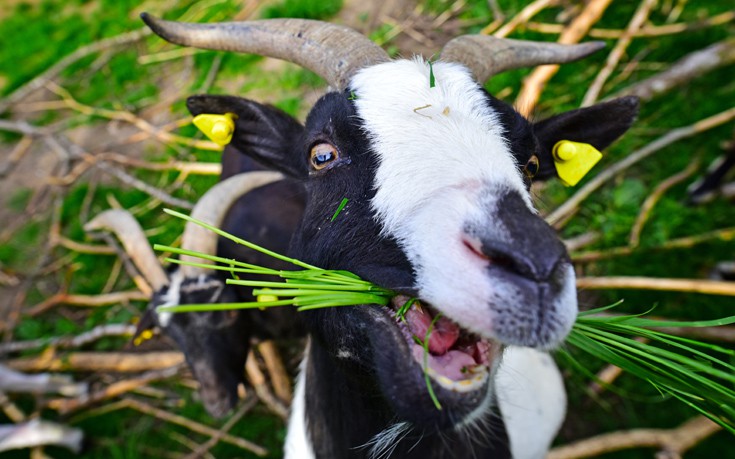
(384, 444)
(442, 160)
(455, 141)
(171, 298)
(298, 444)
(566, 302)
(532, 400)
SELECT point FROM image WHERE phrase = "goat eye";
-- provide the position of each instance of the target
(531, 167)
(322, 155)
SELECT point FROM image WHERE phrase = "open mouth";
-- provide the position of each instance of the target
(455, 358)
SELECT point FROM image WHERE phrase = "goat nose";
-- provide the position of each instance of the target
(538, 266)
(519, 241)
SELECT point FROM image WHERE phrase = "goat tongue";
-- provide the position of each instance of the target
(443, 336)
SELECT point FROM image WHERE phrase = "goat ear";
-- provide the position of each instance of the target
(262, 132)
(598, 125)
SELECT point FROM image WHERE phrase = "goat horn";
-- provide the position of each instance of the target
(128, 231)
(211, 209)
(334, 52)
(486, 56)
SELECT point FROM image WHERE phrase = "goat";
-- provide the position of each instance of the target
(437, 174)
(216, 343)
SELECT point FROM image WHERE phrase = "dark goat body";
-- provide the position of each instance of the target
(216, 343)
(436, 174)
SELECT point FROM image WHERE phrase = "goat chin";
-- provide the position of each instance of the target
(530, 395)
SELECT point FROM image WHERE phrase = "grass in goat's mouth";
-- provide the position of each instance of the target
(457, 359)
(698, 374)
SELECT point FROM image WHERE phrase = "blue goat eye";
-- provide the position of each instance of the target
(322, 155)
(532, 166)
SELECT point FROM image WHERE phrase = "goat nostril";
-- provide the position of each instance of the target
(503, 261)
(502, 257)
(495, 257)
(475, 246)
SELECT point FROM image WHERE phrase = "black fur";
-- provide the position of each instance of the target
(361, 376)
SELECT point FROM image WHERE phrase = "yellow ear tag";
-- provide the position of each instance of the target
(573, 160)
(265, 297)
(218, 128)
(145, 335)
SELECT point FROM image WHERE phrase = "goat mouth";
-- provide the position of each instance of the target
(455, 358)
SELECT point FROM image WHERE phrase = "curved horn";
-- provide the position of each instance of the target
(212, 208)
(128, 231)
(486, 56)
(334, 52)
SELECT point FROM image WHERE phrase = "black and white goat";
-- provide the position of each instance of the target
(259, 206)
(437, 173)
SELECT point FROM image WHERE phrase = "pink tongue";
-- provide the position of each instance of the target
(443, 335)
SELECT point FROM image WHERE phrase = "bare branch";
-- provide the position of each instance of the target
(194, 426)
(116, 362)
(66, 342)
(64, 406)
(41, 80)
(10, 409)
(646, 31)
(674, 441)
(684, 70)
(14, 381)
(38, 432)
(87, 300)
(648, 205)
(257, 379)
(534, 84)
(128, 117)
(639, 18)
(246, 406)
(708, 287)
(724, 234)
(16, 155)
(525, 14)
(277, 371)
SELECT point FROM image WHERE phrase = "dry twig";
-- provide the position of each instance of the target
(246, 406)
(639, 18)
(67, 342)
(44, 78)
(525, 14)
(128, 117)
(725, 234)
(38, 432)
(115, 362)
(66, 406)
(86, 300)
(257, 379)
(648, 205)
(10, 409)
(534, 84)
(684, 70)
(46, 383)
(276, 370)
(672, 443)
(645, 31)
(192, 425)
(704, 286)
(16, 155)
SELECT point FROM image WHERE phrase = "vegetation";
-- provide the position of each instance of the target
(104, 105)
